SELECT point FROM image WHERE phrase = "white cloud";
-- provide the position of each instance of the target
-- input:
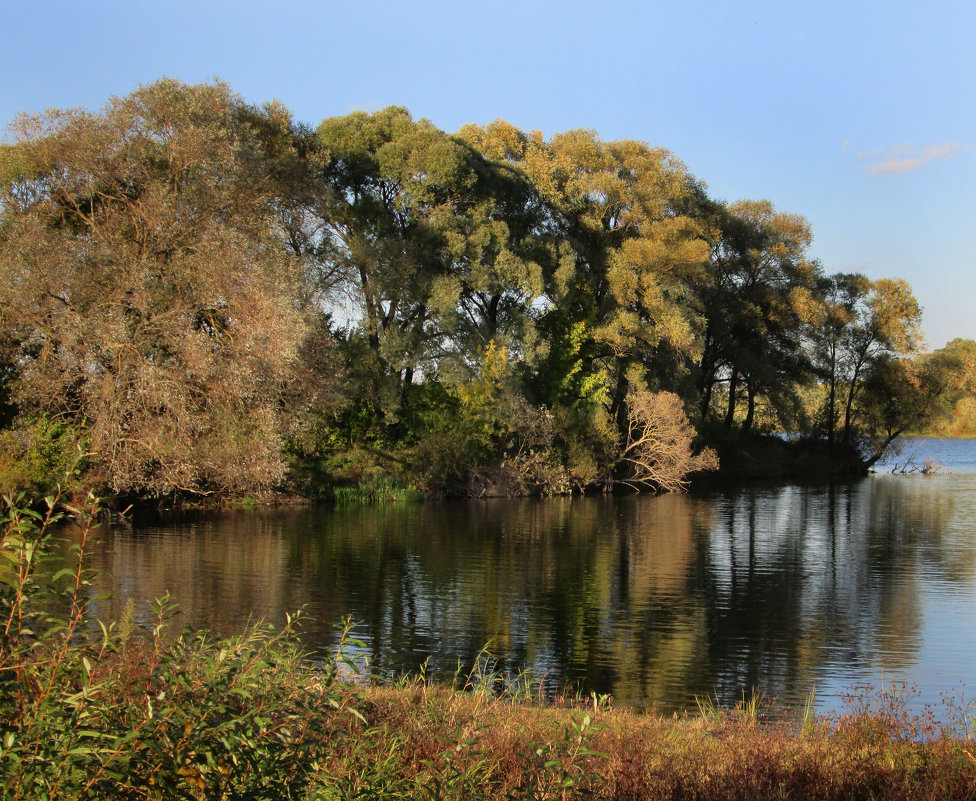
(906, 158)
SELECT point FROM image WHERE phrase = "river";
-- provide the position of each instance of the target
(787, 589)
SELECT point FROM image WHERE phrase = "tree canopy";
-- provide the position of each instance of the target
(144, 293)
(201, 295)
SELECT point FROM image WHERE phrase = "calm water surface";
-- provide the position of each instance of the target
(656, 600)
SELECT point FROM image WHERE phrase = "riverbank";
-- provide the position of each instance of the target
(472, 745)
(253, 718)
(777, 458)
(757, 458)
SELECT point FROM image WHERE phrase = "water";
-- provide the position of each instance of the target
(657, 600)
(953, 455)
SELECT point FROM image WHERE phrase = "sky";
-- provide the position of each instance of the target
(857, 115)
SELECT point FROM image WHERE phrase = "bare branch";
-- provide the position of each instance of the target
(657, 451)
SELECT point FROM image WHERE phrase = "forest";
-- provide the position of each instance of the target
(200, 297)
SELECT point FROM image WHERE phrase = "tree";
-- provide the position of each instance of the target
(144, 283)
(898, 395)
(838, 298)
(427, 237)
(619, 287)
(496, 257)
(860, 332)
(887, 327)
(656, 452)
(755, 305)
(953, 373)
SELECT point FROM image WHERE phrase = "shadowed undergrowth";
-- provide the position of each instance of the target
(90, 710)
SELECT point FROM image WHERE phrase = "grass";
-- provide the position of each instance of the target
(379, 489)
(95, 711)
(532, 751)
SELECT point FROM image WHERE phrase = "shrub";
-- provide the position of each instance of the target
(656, 451)
(35, 449)
(91, 711)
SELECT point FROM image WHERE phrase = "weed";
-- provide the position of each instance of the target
(88, 711)
(748, 708)
(807, 716)
(376, 489)
(708, 708)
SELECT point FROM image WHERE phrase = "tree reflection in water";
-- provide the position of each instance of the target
(653, 599)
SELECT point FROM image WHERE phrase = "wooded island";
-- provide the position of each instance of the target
(200, 297)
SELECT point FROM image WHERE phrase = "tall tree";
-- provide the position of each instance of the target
(886, 327)
(839, 297)
(497, 256)
(143, 281)
(861, 331)
(755, 306)
(620, 286)
(409, 229)
(632, 253)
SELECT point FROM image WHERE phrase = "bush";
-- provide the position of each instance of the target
(488, 440)
(92, 711)
(656, 451)
(34, 450)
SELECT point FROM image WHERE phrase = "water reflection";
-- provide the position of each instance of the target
(653, 599)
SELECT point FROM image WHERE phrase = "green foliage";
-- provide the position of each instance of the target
(234, 303)
(490, 440)
(952, 376)
(860, 330)
(378, 489)
(567, 374)
(88, 710)
(560, 769)
(755, 307)
(579, 387)
(36, 449)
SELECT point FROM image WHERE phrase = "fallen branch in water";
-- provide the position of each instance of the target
(926, 468)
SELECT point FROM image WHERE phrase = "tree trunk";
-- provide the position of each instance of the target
(706, 379)
(733, 391)
(851, 394)
(751, 408)
(706, 402)
(832, 398)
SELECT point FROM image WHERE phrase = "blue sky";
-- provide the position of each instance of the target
(858, 115)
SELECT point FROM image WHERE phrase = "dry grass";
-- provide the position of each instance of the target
(470, 745)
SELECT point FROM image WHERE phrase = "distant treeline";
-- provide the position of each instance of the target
(200, 296)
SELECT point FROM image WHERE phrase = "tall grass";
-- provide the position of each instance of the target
(91, 710)
(378, 489)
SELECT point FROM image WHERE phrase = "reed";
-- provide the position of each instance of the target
(379, 489)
